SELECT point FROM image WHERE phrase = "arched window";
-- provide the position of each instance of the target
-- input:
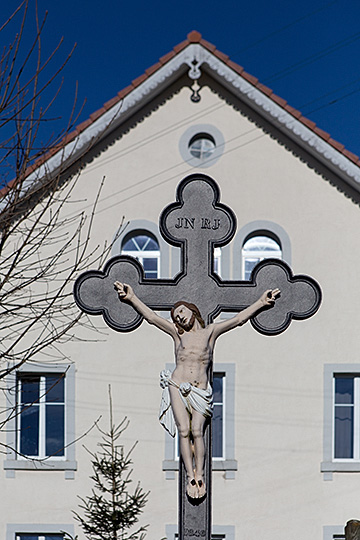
(145, 248)
(256, 248)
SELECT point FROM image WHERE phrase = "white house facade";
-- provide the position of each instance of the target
(286, 447)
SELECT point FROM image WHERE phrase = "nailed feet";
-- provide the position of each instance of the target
(196, 488)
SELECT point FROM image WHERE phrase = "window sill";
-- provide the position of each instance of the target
(12, 465)
(340, 466)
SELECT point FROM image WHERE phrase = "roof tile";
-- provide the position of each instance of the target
(250, 78)
(208, 45)
(336, 145)
(222, 56)
(280, 101)
(153, 68)
(136, 82)
(166, 57)
(194, 36)
(110, 103)
(351, 156)
(265, 89)
(125, 91)
(323, 134)
(293, 111)
(85, 124)
(235, 67)
(308, 123)
(95, 115)
(178, 48)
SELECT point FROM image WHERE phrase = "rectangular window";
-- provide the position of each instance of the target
(24, 536)
(346, 416)
(41, 415)
(341, 419)
(218, 426)
(42, 427)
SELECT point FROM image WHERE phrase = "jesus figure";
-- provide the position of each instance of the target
(188, 387)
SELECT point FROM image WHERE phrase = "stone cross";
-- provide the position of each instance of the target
(197, 222)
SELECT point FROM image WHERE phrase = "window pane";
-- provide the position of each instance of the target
(261, 243)
(29, 430)
(150, 245)
(344, 429)
(217, 432)
(30, 388)
(218, 387)
(54, 430)
(140, 242)
(249, 265)
(218, 414)
(55, 389)
(344, 390)
(150, 267)
(129, 245)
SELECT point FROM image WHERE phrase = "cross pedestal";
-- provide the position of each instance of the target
(197, 222)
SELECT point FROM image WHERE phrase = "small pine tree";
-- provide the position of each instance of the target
(112, 510)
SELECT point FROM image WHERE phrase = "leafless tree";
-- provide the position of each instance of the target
(43, 245)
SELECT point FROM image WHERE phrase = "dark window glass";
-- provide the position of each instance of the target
(54, 430)
(218, 416)
(29, 430)
(30, 389)
(344, 390)
(140, 243)
(42, 415)
(55, 389)
(344, 430)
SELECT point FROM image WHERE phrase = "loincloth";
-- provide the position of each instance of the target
(194, 399)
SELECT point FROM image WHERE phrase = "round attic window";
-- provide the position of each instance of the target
(202, 146)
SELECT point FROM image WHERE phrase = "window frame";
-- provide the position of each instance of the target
(227, 463)
(204, 130)
(66, 462)
(142, 254)
(329, 463)
(333, 532)
(41, 404)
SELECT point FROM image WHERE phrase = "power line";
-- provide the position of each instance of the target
(287, 26)
(313, 58)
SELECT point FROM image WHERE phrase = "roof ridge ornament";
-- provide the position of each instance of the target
(194, 73)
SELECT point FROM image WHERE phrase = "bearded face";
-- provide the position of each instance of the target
(184, 318)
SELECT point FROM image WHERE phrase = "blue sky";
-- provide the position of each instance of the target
(308, 52)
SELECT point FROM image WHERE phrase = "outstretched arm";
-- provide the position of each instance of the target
(267, 299)
(126, 294)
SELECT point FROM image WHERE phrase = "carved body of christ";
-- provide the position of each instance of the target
(194, 344)
(196, 222)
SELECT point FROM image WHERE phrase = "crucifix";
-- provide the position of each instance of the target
(196, 222)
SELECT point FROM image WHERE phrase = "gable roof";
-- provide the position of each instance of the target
(195, 55)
